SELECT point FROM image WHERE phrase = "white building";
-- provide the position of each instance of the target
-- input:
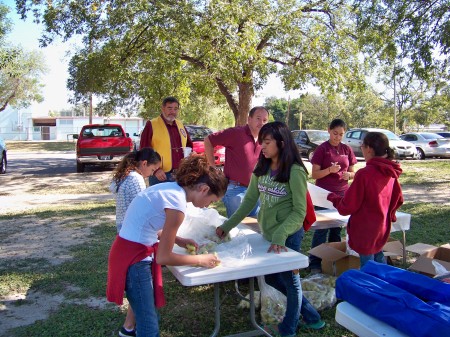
(20, 125)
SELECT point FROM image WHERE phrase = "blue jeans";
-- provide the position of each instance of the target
(233, 199)
(289, 284)
(152, 180)
(378, 257)
(139, 290)
(319, 237)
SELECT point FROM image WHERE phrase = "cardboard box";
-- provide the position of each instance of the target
(428, 253)
(335, 259)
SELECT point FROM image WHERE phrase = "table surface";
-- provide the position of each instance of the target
(258, 263)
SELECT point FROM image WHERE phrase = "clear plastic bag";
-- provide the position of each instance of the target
(200, 225)
(319, 289)
(273, 303)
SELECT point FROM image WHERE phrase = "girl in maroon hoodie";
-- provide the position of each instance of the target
(372, 199)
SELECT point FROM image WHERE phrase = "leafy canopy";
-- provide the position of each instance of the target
(137, 52)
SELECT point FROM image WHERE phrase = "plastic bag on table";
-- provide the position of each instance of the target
(200, 225)
(273, 303)
(319, 289)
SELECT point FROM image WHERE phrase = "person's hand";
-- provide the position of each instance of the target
(346, 175)
(277, 249)
(334, 168)
(182, 242)
(220, 232)
(208, 260)
(160, 175)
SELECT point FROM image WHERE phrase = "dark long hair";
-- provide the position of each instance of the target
(287, 151)
(379, 142)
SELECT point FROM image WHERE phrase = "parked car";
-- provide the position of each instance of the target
(3, 156)
(428, 144)
(197, 134)
(402, 149)
(308, 140)
(101, 144)
(137, 139)
(444, 134)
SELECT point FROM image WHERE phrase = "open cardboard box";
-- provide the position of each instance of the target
(428, 253)
(335, 259)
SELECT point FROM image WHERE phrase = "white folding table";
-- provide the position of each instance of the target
(258, 263)
(361, 324)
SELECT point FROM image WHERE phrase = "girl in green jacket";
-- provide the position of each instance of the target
(279, 182)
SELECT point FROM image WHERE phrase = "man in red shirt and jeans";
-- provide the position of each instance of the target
(241, 154)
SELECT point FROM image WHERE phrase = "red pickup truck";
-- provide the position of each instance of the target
(102, 144)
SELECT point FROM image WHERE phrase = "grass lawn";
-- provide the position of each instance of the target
(189, 310)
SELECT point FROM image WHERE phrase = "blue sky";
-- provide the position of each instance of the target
(26, 33)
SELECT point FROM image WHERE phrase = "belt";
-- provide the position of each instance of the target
(236, 183)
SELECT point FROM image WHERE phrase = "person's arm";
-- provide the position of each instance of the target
(209, 151)
(189, 142)
(318, 173)
(146, 135)
(167, 238)
(248, 203)
(353, 198)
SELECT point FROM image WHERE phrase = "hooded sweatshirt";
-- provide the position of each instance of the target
(371, 201)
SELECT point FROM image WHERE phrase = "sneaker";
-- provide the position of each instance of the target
(315, 326)
(125, 333)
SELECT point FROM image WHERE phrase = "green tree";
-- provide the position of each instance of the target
(20, 71)
(150, 49)
(413, 30)
(20, 79)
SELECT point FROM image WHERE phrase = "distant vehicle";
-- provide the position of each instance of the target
(102, 144)
(308, 140)
(444, 134)
(3, 156)
(137, 139)
(402, 149)
(428, 144)
(197, 134)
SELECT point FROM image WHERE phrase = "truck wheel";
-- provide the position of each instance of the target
(80, 167)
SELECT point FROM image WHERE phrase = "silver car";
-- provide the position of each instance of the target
(428, 144)
(402, 149)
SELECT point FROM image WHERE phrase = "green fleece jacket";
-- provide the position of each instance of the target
(283, 205)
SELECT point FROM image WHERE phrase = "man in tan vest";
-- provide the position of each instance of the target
(167, 136)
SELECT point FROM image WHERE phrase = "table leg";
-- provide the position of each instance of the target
(259, 330)
(216, 310)
(252, 309)
(404, 248)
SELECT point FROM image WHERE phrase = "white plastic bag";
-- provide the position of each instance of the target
(319, 289)
(273, 303)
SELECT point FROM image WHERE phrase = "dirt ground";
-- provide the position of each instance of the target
(53, 244)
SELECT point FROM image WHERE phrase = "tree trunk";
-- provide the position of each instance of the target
(245, 102)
